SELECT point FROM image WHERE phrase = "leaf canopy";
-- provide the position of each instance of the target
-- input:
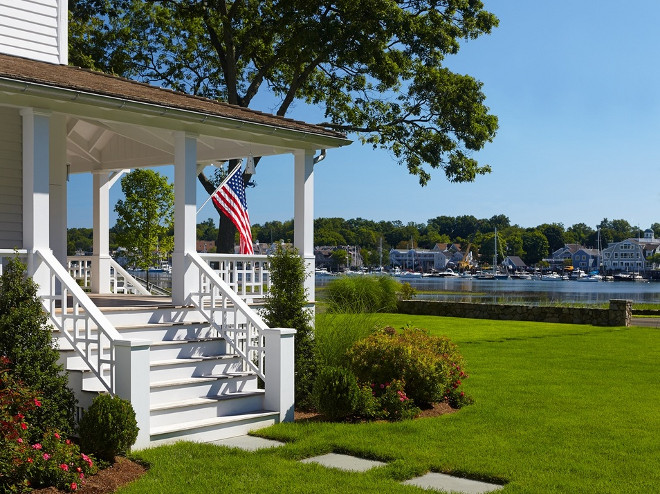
(375, 67)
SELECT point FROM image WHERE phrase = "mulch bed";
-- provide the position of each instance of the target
(125, 471)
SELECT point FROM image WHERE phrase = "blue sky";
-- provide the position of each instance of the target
(575, 87)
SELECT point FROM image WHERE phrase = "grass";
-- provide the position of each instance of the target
(558, 408)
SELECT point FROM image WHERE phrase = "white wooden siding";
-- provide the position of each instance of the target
(11, 179)
(34, 29)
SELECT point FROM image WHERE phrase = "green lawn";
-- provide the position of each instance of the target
(558, 408)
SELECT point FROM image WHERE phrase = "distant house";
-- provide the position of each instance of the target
(514, 263)
(559, 257)
(205, 246)
(631, 254)
(440, 257)
(586, 259)
(323, 256)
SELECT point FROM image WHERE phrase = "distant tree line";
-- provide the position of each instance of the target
(530, 244)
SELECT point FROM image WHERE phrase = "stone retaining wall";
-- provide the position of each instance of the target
(619, 313)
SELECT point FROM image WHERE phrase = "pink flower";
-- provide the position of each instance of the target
(23, 425)
(82, 476)
(46, 456)
(382, 386)
(74, 486)
(57, 436)
(37, 403)
(19, 440)
(36, 446)
(68, 441)
(64, 467)
(29, 460)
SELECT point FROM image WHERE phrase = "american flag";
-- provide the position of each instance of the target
(230, 198)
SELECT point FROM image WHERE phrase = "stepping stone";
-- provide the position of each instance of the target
(442, 482)
(344, 462)
(248, 443)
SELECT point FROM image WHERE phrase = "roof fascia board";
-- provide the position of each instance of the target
(79, 103)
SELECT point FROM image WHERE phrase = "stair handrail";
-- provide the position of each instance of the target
(85, 317)
(134, 284)
(216, 298)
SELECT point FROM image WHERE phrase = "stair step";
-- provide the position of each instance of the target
(195, 387)
(213, 429)
(205, 400)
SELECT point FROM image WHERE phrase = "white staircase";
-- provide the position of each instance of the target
(199, 389)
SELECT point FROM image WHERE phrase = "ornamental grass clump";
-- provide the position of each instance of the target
(355, 294)
(431, 367)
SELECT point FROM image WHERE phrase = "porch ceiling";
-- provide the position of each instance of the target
(107, 145)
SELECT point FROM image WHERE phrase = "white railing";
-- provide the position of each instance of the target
(248, 276)
(80, 269)
(122, 282)
(230, 315)
(79, 321)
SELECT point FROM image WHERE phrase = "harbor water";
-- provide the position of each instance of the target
(527, 291)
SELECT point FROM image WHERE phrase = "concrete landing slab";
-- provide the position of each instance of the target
(248, 443)
(344, 462)
(448, 483)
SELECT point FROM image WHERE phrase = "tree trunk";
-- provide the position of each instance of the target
(224, 243)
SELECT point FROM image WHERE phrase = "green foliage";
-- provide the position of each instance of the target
(145, 217)
(336, 392)
(26, 340)
(108, 428)
(394, 403)
(286, 307)
(50, 460)
(407, 292)
(430, 366)
(362, 294)
(335, 335)
(426, 115)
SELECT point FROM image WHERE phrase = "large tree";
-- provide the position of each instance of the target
(145, 218)
(375, 67)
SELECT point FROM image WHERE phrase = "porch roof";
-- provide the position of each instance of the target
(98, 83)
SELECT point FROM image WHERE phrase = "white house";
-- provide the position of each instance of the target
(190, 364)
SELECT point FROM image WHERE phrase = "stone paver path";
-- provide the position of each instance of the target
(344, 462)
(440, 481)
(436, 481)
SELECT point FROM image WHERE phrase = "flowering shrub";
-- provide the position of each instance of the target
(51, 461)
(339, 396)
(394, 403)
(430, 366)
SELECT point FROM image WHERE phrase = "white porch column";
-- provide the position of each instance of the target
(303, 237)
(58, 172)
(36, 171)
(101, 243)
(184, 279)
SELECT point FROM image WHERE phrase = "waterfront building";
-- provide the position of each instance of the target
(440, 257)
(630, 254)
(514, 264)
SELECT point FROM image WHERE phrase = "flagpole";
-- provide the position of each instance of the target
(226, 179)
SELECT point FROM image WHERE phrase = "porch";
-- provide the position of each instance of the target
(190, 363)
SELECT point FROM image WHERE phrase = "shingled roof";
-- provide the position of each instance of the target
(98, 83)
